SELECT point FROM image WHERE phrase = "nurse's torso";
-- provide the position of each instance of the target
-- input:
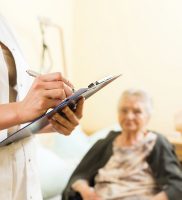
(19, 177)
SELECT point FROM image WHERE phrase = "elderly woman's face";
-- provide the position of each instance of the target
(133, 115)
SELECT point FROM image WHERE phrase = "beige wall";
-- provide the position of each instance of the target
(142, 40)
(23, 16)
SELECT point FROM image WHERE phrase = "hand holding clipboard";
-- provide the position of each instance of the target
(71, 101)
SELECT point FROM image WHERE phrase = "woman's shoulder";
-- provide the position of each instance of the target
(105, 141)
(161, 140)
(162, 145)
(112, 134)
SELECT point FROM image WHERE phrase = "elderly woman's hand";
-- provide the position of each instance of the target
(87, 193)
(66, 125)
(160, 196)
(90, 194)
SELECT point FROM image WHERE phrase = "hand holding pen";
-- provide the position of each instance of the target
(46, 92)
(36, 74)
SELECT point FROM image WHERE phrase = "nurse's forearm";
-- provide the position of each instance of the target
(9, 115)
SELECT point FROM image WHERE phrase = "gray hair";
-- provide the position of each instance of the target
(142, 95)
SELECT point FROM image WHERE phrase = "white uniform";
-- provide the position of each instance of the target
(18, 173)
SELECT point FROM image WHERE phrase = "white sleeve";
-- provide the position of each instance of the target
(4, 88)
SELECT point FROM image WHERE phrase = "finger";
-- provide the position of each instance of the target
(68, 90)
(71, 116)
(59, 128)
(47, 129)
(55, 94)
(64, 122)
(53, 85)
(79, 108)
(55, 77)
(57, 85)
(45, 104)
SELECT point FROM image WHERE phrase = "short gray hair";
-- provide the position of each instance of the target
(142, 95)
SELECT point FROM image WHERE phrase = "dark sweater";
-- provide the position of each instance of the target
(162, 160)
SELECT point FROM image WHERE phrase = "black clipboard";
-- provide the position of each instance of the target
(71, 101)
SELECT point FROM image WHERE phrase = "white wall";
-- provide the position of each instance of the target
(142, 40)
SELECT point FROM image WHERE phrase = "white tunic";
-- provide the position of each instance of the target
(18, 172)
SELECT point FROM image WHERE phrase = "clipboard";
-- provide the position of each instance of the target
(71, 101)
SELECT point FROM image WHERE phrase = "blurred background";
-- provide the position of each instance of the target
(89, 39)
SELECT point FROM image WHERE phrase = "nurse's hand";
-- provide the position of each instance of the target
(65, 125)
(47, 91)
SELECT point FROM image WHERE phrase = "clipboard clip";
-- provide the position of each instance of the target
(102, 81)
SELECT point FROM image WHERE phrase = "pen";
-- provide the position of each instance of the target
(36, 74)
(32, 73)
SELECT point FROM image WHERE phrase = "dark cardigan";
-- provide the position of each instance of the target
(162, 160)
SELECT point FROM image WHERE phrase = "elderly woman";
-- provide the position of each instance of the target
(135, 164)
